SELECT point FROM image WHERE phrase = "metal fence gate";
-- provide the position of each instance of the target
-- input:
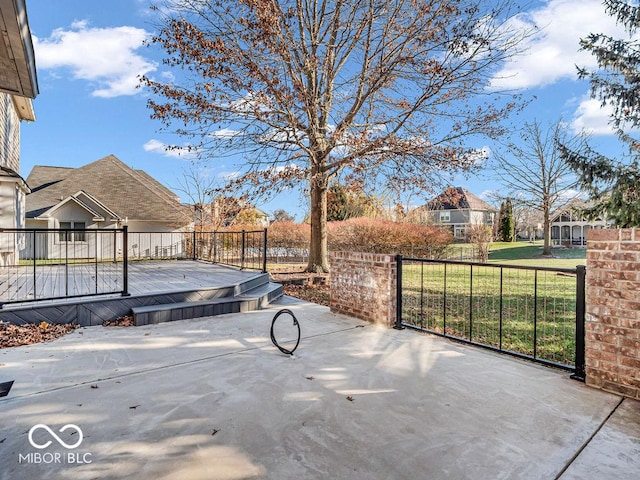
(536, 313)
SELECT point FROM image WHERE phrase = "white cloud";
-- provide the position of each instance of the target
(106, 57)
(554, 51)
(592, 118)
(226, 133)
(156, 146)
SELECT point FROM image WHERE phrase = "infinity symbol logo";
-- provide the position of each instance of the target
(52, 433)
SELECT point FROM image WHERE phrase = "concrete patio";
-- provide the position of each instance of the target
(212, 398)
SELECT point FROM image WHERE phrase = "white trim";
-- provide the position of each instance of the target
(96, 216)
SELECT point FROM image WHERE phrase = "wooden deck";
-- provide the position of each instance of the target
(150, 283)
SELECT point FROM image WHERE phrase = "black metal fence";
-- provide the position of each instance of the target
(48, 264)
(290, 252)
(535, 313)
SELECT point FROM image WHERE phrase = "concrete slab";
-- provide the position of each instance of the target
(212, 398)
(614, 451)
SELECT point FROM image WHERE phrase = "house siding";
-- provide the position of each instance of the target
(9, 134)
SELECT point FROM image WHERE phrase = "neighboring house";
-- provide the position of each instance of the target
(529, 223)
(18, 86)
(569, 227)
(458, 209)
(253, 216)
(105, 194)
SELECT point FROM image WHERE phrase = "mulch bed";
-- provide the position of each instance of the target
(124, 321)
(16, 335)
(311, 287)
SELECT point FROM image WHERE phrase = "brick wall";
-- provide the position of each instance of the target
(613, 311)
(363, 285)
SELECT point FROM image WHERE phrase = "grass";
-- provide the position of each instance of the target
(532, 304)
(530, 254)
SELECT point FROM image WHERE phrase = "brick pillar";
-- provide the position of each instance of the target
(612, 342)
(363, 285)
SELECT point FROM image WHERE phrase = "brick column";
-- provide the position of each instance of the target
(363, 285)
(612, 354)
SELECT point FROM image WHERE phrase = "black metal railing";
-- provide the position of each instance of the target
(297, 252)
(535, 313)
(244, 249)
(49, 264)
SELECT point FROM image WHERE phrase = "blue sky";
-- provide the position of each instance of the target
(88, 54)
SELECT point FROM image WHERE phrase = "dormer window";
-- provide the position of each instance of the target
(445, 217)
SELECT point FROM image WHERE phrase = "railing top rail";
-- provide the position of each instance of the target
(227, 231)
(493, 265)
(55, 230)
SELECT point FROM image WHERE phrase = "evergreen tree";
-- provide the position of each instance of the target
(614, 185)
(506, 228)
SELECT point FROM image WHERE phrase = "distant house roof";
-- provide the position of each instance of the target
(127, 192)
(458, 198)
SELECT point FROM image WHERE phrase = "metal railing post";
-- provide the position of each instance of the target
(264, 252)
(195, 255)
(95, 241)
(471, 303)
(242, 248)
(398, 325)
(66, 264)
(535, 313)
(35, 267)
(125, 261)
(580, 373)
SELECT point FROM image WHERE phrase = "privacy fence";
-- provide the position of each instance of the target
(47, 264)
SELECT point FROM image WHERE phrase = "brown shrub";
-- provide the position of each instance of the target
(288, 234)
(383, 236)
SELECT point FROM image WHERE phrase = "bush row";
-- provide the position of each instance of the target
(364, 234)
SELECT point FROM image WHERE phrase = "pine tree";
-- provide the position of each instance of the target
(613, 185)
(507, 224)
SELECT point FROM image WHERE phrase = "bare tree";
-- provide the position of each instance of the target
(301, 91)
(535, 173)
(481, 236)
(211, 209)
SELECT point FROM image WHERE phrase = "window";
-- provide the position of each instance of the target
(79, 236)
(72, 236)
(445, 217)
(64, 236)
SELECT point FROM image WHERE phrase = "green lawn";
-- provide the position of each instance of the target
(530, 254)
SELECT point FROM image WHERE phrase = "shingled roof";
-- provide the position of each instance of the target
(458, 198)
(129, 193)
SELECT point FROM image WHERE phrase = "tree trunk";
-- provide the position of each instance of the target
(318, 247)
(546, 250)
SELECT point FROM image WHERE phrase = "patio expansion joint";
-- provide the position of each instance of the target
(163, 367)
(588, 441)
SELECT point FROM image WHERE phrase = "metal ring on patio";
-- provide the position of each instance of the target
(295, 323)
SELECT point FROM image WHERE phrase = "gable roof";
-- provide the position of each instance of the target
(127, 192)
(458, 198)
